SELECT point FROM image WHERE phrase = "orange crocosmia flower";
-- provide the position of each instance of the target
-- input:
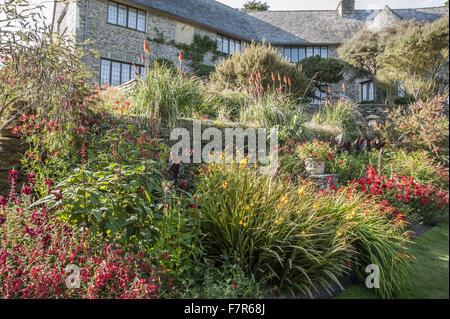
(146, 47)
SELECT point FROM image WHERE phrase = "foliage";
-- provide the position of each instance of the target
(255, 6)
(292, 235)
(422, 125)
(204, 70)
(166, 63)
(38, 68)
(165, 95)
(195, 52)
(234, 72)
(322, 71)
(319, 150)
(340, 114)
(419, 59)
(268, 110)
(429, 202)
(351, 166)
(363, 49)
(38, 247)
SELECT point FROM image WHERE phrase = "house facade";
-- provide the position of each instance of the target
(118, 28)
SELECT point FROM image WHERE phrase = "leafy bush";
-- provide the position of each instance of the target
(352, 166)
(37, 247)
(166, 63)
(429, 202)
(422, 125)
(165, 95)
(234, 72)
(204, 70)
(292, 236)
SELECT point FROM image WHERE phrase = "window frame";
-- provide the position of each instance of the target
(138, 13)
(305, 51)
(367, 90)
(139, 67)
(225, 39)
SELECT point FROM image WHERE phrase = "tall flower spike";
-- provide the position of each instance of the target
(180, 57)
(146, 47)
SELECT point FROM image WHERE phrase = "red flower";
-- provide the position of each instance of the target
(180, 57)
(27, 190)
(146, 47)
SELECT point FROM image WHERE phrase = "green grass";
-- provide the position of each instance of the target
(430, 278)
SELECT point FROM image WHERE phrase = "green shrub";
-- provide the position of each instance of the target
(165, 95)
(204, 70)
(293, 236)
(419, 165)
(422, 125)
(234, 72)
(166, 63)
(352, 166)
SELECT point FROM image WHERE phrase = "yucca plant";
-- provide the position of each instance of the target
(164, 94)
(291, 235)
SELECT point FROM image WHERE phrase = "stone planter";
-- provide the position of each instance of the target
(314, 167)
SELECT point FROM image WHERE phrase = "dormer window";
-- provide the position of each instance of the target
(295, 54)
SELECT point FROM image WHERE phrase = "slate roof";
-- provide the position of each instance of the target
(279, 27)
(221, 18)
(328, 27)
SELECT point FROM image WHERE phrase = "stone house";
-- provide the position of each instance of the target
(118, 29)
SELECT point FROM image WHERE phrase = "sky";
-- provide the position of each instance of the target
(305, 4)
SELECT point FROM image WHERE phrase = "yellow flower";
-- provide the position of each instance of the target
(252, 204)
(344, 242)
(245, 224)
(300, 191)
(303, 233)
(256, 165)
(277, 222)
(281, 219)
(284, 199)
(244, 161)
(247, 207)
(316, 206)
(241, 222)
(340, 233)
(225, 185)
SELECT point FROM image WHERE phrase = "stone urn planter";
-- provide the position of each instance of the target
(314, 167)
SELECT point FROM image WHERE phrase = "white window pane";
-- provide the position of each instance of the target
(238, 46)
(122, 18)
(219, 43)
(309, 52)
(371, 91)
(132, 18)
(295, 55)
(287, 54)
(364, 91)
(105, 72)
(115, 74)
(142, 71)
(126, 68)
(226, 42)
(324, 52)
(316, 51)
(232, 46)
(301, 53)
(112, 13)
(141, 21)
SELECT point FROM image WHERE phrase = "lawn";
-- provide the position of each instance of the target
(430, 275)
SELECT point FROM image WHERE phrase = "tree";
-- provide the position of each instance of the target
(419, 59)
(322, 71)
(255, 6)
(362, 50)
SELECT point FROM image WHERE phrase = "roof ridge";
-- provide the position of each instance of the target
(322, 10)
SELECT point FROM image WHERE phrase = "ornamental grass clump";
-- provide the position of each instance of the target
(340, 115)
(164, 94)
(295, 236)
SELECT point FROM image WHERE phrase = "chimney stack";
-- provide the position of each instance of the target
(346, 7)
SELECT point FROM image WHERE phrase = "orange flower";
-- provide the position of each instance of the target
(285, 79)
(289, 82)
(273, 76)
(343, 87)
(279, 77)
(146, 47)
(180, 57)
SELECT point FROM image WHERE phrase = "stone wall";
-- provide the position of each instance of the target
(11, 150)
